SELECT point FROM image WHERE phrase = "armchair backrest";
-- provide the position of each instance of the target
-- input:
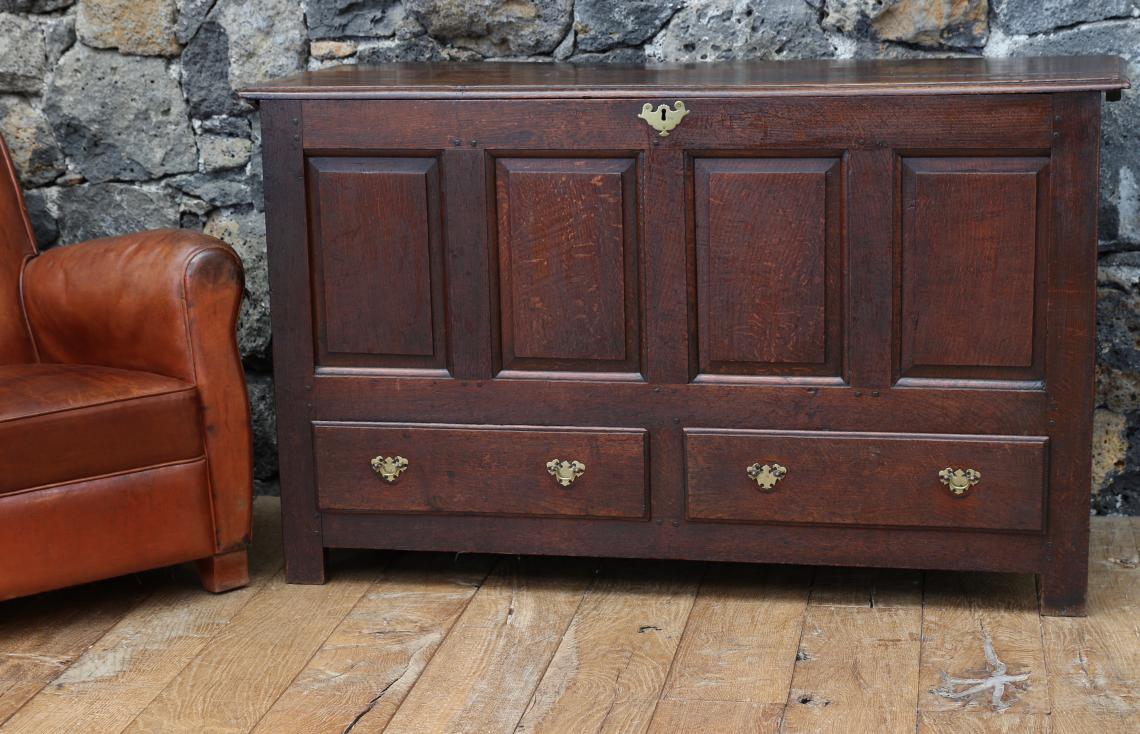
(17, 244)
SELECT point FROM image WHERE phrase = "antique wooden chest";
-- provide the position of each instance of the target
(819, 312)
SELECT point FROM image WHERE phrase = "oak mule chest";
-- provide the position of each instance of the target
(816, 312)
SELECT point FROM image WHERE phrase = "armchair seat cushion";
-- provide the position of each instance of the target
(62, 423)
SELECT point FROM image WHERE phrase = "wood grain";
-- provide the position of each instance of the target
(611, 664)
(482, 470)
(814, 77)
(590, 235)
(483, 676)
(973, 268)
(856, 671)
(981, 722)
(1094, 662)
(962, 611)
(740, 643)
(294, 350)
(675, 716)
(229, 686)
(568, 264)
(118, 676)
(364, 670)
(41, 636)
(547, 645)
(379, 260)
(768, 270)
(865, 479)
(875, 588)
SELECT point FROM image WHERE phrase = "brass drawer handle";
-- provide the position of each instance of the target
(959, 480)
(663, 119)
(389, 467)
(766, 475)
(565, 472)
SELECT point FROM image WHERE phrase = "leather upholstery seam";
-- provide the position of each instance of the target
(103, 404)
(24, 309)
(200, 458)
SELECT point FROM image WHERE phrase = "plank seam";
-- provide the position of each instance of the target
(569, 621)
(799, 646)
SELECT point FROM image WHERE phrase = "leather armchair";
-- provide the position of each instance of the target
(124, 423)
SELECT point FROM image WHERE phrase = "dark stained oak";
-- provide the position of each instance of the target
(378, 260)
(481, 470)
(768, 270)
(880, 479)
(865, 271)
(972, 280)
(568, 265)
(930, 76)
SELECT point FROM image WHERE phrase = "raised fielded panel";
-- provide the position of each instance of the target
(568, 264)
(377, 261)
(974, 234)
(767, 250)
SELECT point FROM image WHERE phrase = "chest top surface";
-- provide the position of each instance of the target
(838, 77)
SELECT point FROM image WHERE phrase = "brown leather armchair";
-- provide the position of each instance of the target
(124, 424)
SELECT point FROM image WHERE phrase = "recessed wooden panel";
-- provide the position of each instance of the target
(378, 261)
(973, 233)
(568, 266)
(890, 479)
(480, 470)
(767, 265)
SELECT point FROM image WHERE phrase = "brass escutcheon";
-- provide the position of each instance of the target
(959, 480)
(565, 472)
(663, 119)
(389, 467)
(766, 475)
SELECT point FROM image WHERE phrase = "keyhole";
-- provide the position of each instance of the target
(663, 113)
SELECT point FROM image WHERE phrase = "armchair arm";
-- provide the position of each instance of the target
(164, 301)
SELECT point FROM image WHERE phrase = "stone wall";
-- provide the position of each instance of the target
(121, 115)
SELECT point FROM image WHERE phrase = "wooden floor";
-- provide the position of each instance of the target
(426, 643)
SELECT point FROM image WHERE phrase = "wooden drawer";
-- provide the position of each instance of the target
(475, 470)
(879, 479)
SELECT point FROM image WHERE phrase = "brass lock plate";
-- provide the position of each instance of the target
(662, 118)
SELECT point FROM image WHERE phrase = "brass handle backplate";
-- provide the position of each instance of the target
(565, 472)
(959, 480)
(663, 119)
(766, 475)
(389, 467)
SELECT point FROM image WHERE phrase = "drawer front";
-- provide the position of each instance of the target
(880, 479)
(472, 470)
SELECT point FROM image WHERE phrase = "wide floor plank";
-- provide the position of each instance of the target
(964, 612)
(366, 667)
(676, 716)
(483, 675)
(230, 685)
(856, 671)
(740, 643)
(1094, 661)
(105, 688)
(858, 654)
(41, 636)
(611, 664)
(983, 722)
